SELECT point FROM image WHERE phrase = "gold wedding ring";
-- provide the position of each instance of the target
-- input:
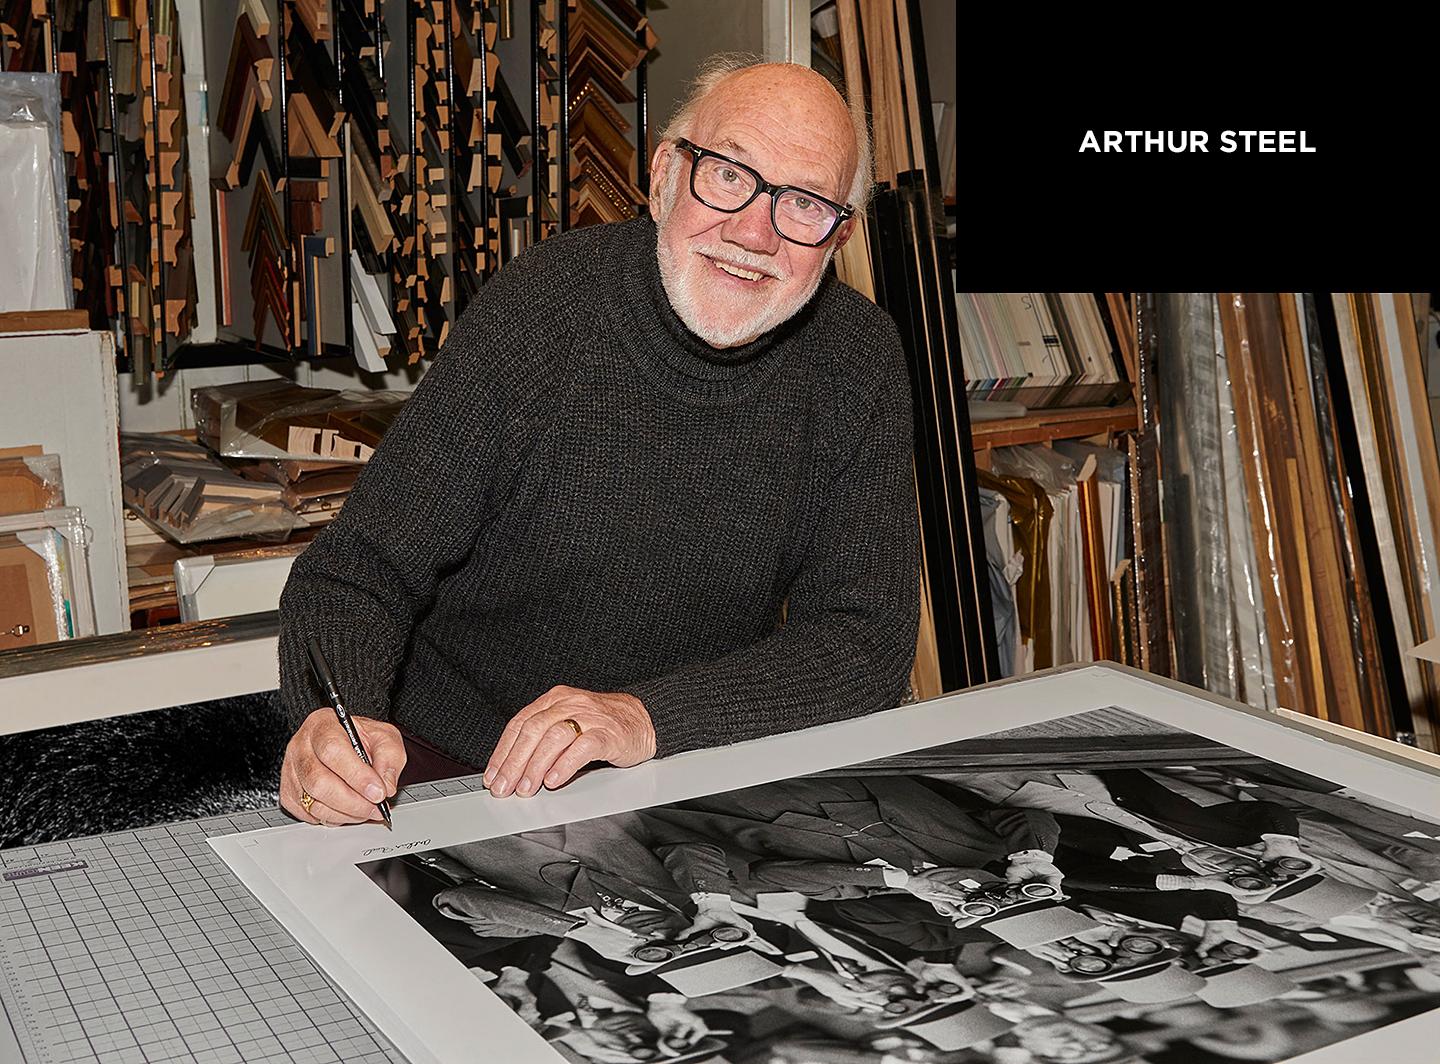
(574, 724)
(306, 800)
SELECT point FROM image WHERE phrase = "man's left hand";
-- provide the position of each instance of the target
(539, 746)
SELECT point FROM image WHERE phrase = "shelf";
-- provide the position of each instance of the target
(1063, 424)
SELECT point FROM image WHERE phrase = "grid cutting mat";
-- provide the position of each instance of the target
(142, 946)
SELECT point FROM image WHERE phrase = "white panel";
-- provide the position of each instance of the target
(230, 588)
(197, 136)
(59, 392)
(133, 685)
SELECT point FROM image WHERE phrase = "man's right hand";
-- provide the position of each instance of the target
(320, 759)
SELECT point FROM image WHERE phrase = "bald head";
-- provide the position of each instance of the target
(729, 273)
(786, 97)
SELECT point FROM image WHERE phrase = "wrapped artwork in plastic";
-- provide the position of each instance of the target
(44, 578)
(30, 483)
(190, 497)
(278, 419)
(34, 226)
(1196, 524)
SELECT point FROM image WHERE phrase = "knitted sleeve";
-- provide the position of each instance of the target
(417, 508)
(848, 641)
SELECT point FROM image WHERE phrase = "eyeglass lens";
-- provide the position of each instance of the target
(728, 188)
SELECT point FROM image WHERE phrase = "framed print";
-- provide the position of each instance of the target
(1089, 865)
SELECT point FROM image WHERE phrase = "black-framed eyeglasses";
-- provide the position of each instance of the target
(798, 215)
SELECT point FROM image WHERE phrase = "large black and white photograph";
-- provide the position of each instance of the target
(1096, 888)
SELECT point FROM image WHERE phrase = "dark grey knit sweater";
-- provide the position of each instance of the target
(581, 492)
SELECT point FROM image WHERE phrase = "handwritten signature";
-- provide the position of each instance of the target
(403, 847)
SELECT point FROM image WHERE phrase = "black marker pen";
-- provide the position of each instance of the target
(321, 670)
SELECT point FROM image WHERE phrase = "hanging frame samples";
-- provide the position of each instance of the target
(895, 260)
(601, 183)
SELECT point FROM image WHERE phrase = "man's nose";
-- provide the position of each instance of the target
(751, 228)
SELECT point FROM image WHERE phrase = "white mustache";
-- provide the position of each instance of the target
(745, 260)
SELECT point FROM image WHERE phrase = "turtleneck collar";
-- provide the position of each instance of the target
(661, 343)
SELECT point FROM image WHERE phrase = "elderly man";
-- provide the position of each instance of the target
(655, 494)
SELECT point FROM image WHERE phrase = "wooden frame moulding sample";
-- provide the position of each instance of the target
(1366, 373)
(250, 60)
(1357, 702)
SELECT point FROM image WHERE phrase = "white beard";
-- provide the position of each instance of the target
(726, 320)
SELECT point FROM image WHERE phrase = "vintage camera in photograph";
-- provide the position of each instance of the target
(718, 959)
(1230, 978)
(660, 952)
(1251, 873)
(1188, 948)
(937, 1012)
(993, 899)
(1086, 961)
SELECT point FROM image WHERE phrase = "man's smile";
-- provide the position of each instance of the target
(739, 272)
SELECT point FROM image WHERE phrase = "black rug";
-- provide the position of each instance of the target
(145, 768)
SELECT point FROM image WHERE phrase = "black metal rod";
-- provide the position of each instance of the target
(537, 136)
(1366, 537)
(54, 37)
(642, 118)
(158, 234)
(290, 333)
(416, 164)
(345, 212)
(944, 335)
(562, 63)
(481, 50)
(124, 355)
(942, 560)
(453, 110)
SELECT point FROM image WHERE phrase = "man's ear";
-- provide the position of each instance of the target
(660, 163)
(842, 234)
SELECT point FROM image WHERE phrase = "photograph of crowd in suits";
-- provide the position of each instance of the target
(1095, 888)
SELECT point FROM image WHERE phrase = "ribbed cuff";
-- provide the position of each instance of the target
(362, 681)
(678, 725)
(1165, 881)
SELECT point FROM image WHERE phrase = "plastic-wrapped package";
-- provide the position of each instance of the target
(34, 227)
(1030, 514)
(307, 487)
(1256, 668)
(277, 419)
(29, 483)
(1111, 466)
(44, 578)
(190, 497)
(1196, 526)
(1053, 471)
(1004, 565)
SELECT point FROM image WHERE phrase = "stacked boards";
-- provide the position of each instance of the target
(1039, 349)
(1301, 502)
(896, 259)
